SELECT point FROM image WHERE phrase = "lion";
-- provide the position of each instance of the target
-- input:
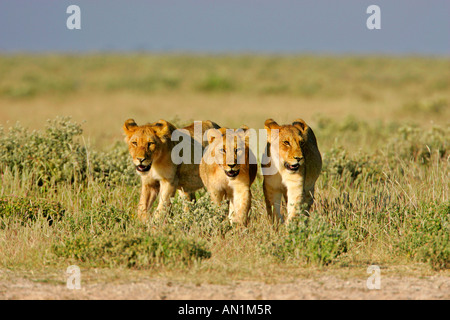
(151, 146)
(228, 169)
(298, 163)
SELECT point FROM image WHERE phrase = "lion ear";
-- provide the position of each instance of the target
(245, 131)
(212, 134)
(163, 128)
(129, 127)
(301, 125)
(269, 125)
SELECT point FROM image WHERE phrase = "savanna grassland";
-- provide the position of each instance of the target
(69, 193)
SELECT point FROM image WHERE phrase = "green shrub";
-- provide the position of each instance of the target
(338, 163)
(113, 166)
(418, 144)
(310, 239)
(429, 106)
(215, 83)
(148, 83)
(31, 85)
(52, 155)
(309, 89)
(133, 251)
(99, 220)
(57, 155)
(201, 217)
(109, 236)
(437, 251)
(427, 235)
(353, 134)
(28, 209)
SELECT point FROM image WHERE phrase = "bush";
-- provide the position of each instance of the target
(416, 144)
(430, 106)
(351, 131)
(201, 217)
(133, 251)
(148, 83)
(52, 155)
(111, 237)
(338, 163)
(437, 251)
(57, 155)
(215, 83)
(310, 239)
(113, 166)
(28, 209)
(427, 236)
(99, 220)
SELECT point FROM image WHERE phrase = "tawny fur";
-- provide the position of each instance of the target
(214, 168)
(150, 146)
(298, 164)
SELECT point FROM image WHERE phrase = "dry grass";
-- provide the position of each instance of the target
(380, 199)
(106, 90)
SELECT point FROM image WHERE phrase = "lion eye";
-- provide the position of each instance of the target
(286, 143)
(134, 143)
(222, 150)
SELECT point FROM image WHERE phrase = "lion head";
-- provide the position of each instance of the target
(292, 140)
(147, 143)
(229, 149)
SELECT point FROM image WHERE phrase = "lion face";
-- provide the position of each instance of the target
(230, 151)
(290, 144)
(146, 143)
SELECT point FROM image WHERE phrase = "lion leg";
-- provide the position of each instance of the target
(231, 209)
(149, 193)
(186, 197)
(286, 201)
(294, 201)
(192, 197)
(273, 203)
(309, 199)
(242, 200)
(167, 191)
(217, 196)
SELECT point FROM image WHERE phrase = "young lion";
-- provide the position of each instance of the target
(151, 148)
(298, 163)
(228, 169)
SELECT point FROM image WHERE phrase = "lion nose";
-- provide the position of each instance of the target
(141, 159)
(232, 165)
(298, 159)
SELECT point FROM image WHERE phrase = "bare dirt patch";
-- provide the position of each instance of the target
(324, 287)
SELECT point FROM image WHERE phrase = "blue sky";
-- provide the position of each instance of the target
(227, 26)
